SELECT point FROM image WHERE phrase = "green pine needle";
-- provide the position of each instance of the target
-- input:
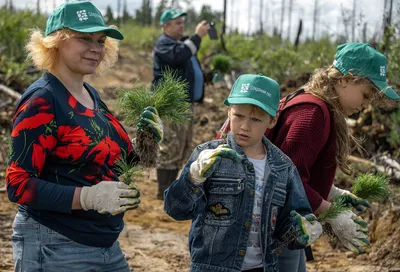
(127, 172)
(373, 188)
(168, 97)
(338, 206)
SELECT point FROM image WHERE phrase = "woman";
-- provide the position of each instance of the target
(312, 131)
(64, 145)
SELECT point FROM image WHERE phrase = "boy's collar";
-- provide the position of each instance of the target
(276, 158)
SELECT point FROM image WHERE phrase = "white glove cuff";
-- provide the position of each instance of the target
(195, 173)
(85, 199)
(334, 193)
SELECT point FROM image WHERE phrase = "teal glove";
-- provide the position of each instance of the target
(208, 159)
(308, 229)
(150, 118)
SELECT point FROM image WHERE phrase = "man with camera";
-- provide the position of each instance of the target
(176, 52)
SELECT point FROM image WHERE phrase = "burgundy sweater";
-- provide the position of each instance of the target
(298, 134)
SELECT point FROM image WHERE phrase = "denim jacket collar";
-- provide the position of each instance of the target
(275, 156)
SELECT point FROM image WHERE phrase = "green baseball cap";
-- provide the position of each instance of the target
(257, 90)
(363, 60)
(81, 17)
(170, 14)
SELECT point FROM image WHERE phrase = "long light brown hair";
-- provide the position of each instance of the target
(44, 50)
(322, 84)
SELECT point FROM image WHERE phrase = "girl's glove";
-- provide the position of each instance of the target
(351, 230)
(109, 197)
(150, 118)
(349, 198)
(308, 228)
(205, 164)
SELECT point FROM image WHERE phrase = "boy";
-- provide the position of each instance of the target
(243, 194)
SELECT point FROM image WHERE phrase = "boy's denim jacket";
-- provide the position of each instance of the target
(221, 208)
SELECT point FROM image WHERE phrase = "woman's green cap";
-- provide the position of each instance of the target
(257, 90)
(363, 60)
(81, 17)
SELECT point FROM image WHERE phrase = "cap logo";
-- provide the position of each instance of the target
(253, 88)
(383, 70)
(245, 88)
(82, 15)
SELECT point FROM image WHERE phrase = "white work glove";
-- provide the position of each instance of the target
(349, 198)
(308, 228)
(205, 164)
(351, 230)
(109, 197)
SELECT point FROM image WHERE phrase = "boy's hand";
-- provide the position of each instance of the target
(205, 164)
(109, 197)
(351, 230)
(308, 228)
(349, 198)
(150, 118)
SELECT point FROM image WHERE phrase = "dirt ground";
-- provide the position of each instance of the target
(154, 242)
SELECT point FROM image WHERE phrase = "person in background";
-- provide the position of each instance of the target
(175, 52)
(64, 146)
(242, 193)
(312, 131)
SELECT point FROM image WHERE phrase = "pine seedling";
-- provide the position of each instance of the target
(338, 206)
(221, 63)
(373, 188)
(127, 172)
(169, 98)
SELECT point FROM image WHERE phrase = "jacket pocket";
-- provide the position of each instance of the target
(224, 199)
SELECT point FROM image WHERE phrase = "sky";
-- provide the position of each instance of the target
(246, 18)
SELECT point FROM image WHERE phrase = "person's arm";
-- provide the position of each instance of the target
(296, 216)
(300, 139)
(174, 53)
(185, 199)
(33, 137)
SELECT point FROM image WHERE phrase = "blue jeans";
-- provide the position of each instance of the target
(292, 261)
(38, 248)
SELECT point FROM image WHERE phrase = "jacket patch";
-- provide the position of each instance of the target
(219, 209)
(274, 214)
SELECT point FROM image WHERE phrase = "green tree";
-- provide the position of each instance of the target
(210, 16)
(109, 16)
(159, 10)
(143, 15)
(125, 14)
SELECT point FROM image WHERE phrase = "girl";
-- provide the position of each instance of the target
(312, 131)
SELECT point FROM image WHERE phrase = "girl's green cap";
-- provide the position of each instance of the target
(81, 17)
(257, 90)
(363, 60)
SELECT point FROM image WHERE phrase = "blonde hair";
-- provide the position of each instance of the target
(44, 50)
(322, 85)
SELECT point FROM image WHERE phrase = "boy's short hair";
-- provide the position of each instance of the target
(257, 90)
